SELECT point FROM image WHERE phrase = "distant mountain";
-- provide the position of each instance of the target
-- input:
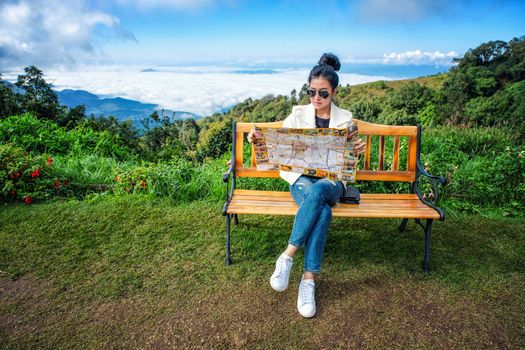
(121, 108)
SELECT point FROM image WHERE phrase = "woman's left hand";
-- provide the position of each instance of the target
(359, 147)
(359, 144)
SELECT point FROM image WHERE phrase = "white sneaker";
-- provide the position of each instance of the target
(306, 298)
(279, 279)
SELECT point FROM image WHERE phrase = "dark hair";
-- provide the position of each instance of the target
(327, 67)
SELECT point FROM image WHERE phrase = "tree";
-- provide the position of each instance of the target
(488, 54)
(37, 96)
(125, 130)
(8, 106)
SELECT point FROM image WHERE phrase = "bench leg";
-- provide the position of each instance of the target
(403, 225)
(228, 254)
(428, 232)
(236, 219)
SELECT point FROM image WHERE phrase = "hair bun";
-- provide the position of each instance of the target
(331, 60)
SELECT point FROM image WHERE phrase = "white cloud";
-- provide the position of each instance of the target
(405, 10)
(200, 90)
(167, 4)
(419, 57)
(51, 32)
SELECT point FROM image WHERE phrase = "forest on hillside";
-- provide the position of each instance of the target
(473, 119)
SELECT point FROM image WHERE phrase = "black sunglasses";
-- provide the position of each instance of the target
(322, 93)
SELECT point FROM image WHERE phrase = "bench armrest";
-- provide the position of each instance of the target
(422, 171)
(231, 172)
(435, 181)
(226, 175)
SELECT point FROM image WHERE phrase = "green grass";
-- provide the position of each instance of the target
(130, 272)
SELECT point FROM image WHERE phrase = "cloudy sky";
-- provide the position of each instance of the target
(75, 41)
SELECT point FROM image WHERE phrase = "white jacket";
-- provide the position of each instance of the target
(304, 117)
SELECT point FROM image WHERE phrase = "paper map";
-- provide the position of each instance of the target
(320, 152)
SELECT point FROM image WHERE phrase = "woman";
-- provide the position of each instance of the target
(314, 196)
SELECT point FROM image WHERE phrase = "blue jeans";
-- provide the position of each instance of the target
(314, 196)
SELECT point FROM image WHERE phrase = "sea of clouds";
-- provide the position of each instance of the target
(202, 90)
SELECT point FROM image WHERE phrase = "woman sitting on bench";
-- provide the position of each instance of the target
(313, 195)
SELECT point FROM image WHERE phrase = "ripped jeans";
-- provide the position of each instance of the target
(314, 196)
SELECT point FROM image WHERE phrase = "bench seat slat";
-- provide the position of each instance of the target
(372, 205)
(287, 195)
(413, 205)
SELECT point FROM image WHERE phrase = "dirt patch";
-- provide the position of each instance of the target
(22, 301)
(410, 314)
(358, 313)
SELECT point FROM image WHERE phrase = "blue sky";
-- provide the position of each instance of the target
(193, 55)
(189, 31)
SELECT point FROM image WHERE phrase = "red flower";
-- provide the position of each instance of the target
(12, 192)
(36, 173)
(57, 184)
(49, 161)
(28, 200)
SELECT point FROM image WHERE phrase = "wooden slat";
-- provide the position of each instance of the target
(362, 175)
(368, 196)
(381, 153)
(378, 175)
(363, 127)
(239, 144)
(388, 130)
(246, 127)
(253, 172)
(363, 207)
(412, 154)
(252, 162)
(367, 152)
(395, 162)
(364, 203)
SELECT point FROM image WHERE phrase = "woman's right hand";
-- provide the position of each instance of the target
(253, 134)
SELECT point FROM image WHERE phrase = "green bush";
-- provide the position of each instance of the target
(44, 136)
(178, 179)
(483, 166)
(504, 108)
(366, 110)
(25, 177)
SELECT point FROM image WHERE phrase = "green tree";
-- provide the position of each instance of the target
(36, 95)
(125, 131)
(8, 106)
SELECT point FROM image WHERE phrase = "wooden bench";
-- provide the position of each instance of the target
(405, 206)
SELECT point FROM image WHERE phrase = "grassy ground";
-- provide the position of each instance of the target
(127, 272)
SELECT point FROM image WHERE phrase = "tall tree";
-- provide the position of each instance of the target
(36, 95)
(8, 104)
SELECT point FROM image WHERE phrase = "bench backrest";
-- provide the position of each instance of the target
(395, 172)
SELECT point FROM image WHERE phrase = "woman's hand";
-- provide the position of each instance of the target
(359, 146)
(253, 134)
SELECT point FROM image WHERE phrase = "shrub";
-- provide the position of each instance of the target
(366, 110)
(178, 179)
(44, 136)
(25, 177)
